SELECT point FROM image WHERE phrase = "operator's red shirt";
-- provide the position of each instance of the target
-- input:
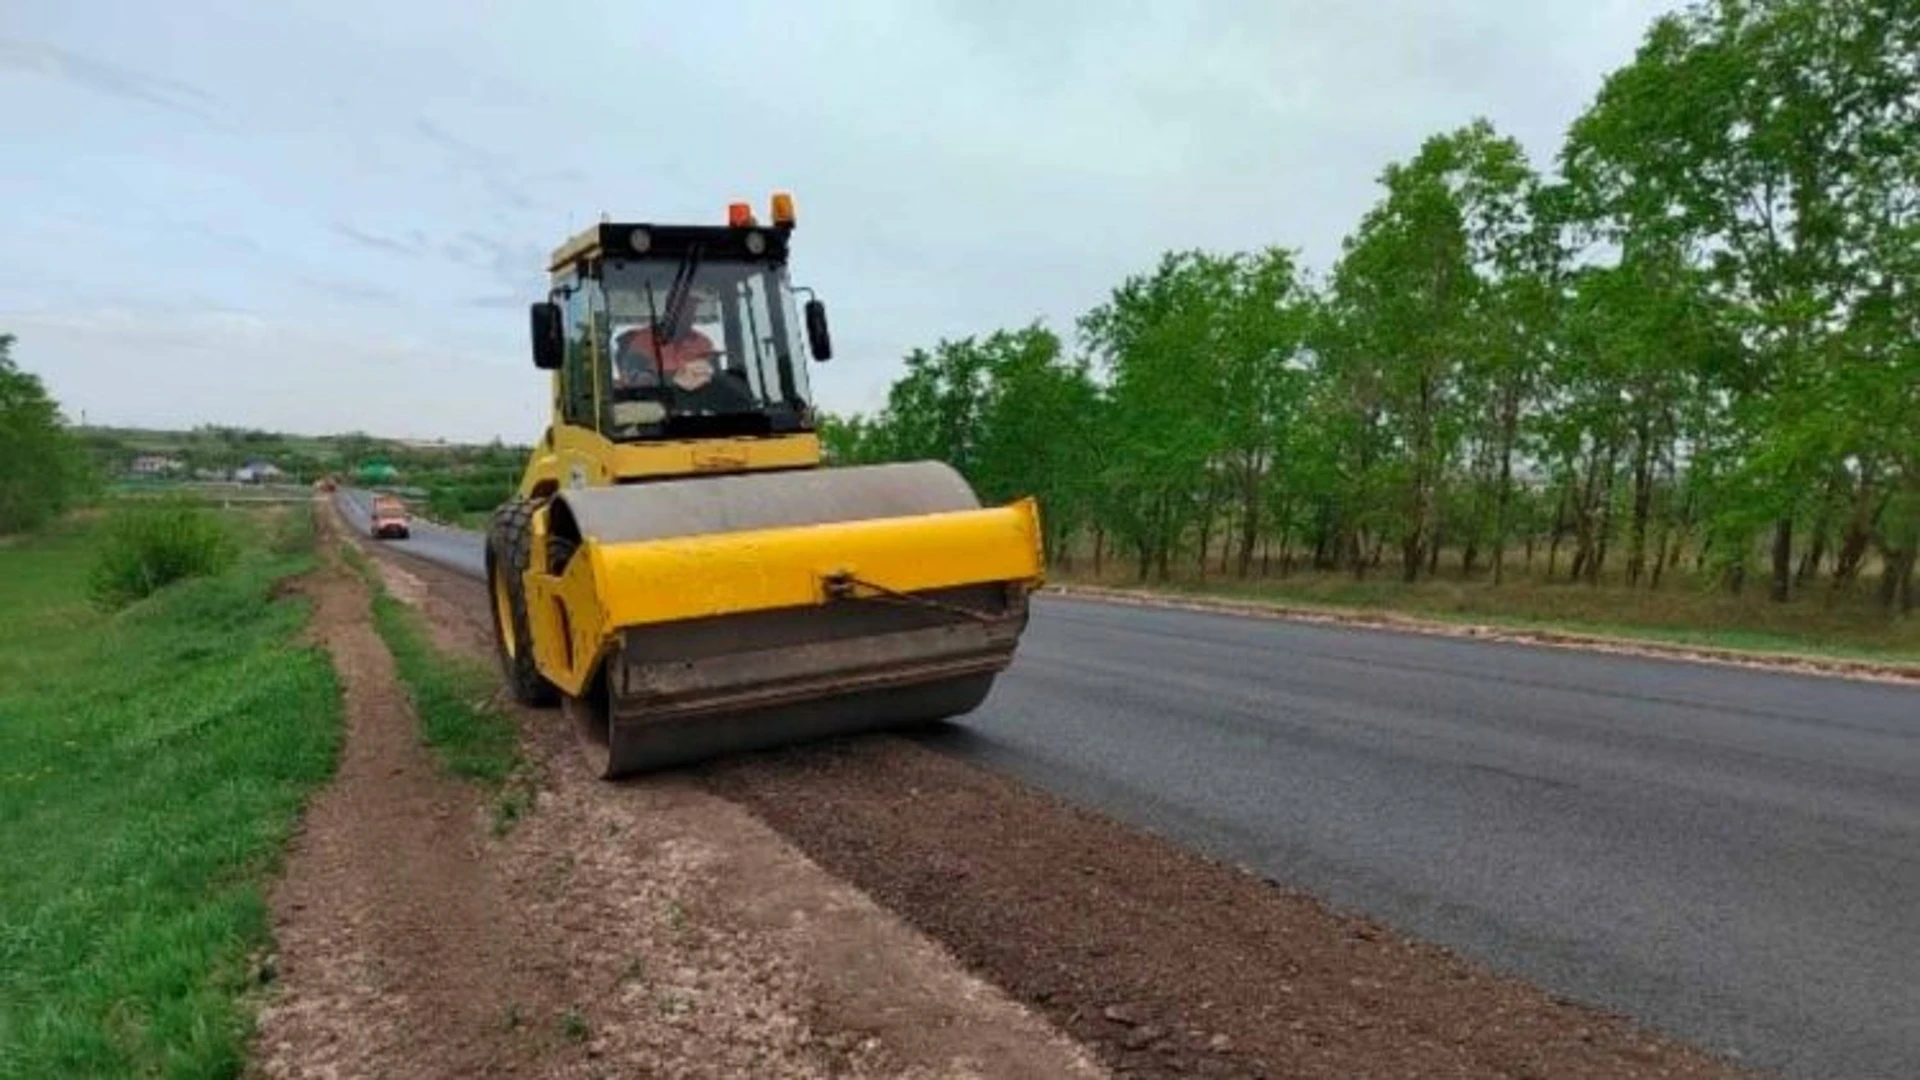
(691, 345)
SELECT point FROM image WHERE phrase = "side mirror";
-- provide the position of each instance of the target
(549, 338)
(818, 339)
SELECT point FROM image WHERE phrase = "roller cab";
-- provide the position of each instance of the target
(679, 570)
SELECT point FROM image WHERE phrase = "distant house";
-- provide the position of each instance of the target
(258, 472)
(155, 465)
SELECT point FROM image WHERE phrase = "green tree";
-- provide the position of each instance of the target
(1774, 142)
(1158, 339)
(1267, 312)
(1518, 257)
(934, 410)
(1039, 423)
(43, 468)
(1408, 310)
(848, 440)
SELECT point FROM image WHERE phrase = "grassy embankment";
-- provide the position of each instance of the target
(455, 698)
(153, 763)
(1682, 611)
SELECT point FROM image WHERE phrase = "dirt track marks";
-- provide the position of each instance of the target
(394, 955)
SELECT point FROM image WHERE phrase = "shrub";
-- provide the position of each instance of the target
(443, 503)
(482, 496)
(145, 547)
(449, 500)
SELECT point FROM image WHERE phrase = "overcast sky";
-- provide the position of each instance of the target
(323, 215)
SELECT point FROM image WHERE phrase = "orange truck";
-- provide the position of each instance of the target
(390, 518)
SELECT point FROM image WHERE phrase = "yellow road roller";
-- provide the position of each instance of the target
(680, 570)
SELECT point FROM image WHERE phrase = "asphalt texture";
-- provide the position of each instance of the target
(1729, 855)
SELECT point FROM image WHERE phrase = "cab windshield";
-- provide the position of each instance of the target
(700, 337)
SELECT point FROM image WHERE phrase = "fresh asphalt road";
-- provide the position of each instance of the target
(1730, 855)
(456, 549)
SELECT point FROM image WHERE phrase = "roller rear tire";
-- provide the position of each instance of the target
(509, 544)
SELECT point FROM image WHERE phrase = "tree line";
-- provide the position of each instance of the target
(1689, 345)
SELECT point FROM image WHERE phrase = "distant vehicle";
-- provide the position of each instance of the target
(390, 518)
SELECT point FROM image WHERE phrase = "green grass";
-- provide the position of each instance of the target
(454, 698)
(451, 695)
(1683, 611)
(152, 766)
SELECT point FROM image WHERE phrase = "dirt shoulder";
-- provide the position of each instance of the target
(1162, 962)
(1167, 963)
(399, 951)
(644, 929)
(1837, 667)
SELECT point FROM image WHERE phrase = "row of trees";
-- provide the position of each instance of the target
(43, 469)
(1692, 343)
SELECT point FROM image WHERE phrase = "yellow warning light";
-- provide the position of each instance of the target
(782, 208)
(739, 215)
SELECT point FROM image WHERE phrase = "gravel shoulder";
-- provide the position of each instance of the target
(1166, 963)
(1160, 961)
